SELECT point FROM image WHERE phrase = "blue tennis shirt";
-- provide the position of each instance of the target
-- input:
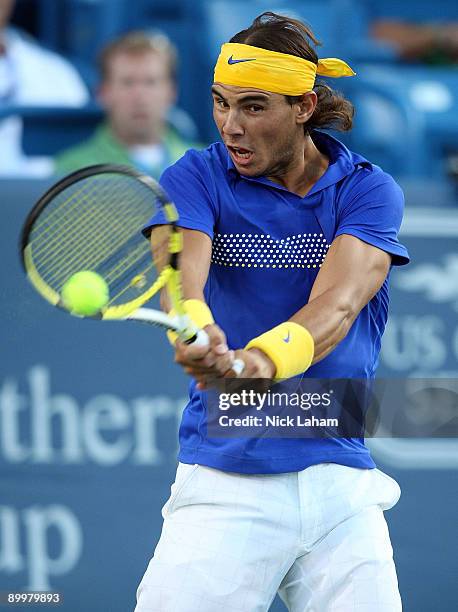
(268, 246)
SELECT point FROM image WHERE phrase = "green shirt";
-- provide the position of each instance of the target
(104, 148)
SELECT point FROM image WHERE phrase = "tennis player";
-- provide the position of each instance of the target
(289, 238)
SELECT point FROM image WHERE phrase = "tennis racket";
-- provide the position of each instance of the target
(92, 220)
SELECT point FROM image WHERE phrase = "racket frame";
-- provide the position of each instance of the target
(169, 277)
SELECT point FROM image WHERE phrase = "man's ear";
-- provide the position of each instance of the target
(305, 107)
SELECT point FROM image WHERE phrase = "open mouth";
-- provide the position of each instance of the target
(240, 155)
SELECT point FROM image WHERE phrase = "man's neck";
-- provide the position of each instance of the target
(307, 166)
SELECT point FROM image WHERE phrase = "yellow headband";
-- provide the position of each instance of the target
(247, 66)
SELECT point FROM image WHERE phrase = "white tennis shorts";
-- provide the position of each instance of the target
(318, 537)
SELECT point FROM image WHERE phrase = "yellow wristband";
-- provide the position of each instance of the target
(199, 313)
(289, 345)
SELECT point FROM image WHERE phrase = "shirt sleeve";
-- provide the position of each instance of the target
(373, 213)
(190, 186)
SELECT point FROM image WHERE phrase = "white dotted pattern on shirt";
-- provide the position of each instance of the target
(263, 251)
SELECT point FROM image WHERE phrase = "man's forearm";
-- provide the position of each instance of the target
(328, 318)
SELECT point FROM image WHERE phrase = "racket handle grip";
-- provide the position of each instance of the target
(202, 340)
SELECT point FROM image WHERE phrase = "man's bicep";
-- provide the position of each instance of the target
(353, 267)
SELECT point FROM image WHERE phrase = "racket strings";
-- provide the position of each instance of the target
(123, 261)
(121, 288)
(52, 218)
(79, 213)
(75, 222)
(95, 224)
(72, 258)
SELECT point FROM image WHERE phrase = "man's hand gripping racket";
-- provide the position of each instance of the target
(91, 221)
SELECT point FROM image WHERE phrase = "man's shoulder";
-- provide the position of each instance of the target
(25, 48)
(211, 161)
(369, 188)
(44, 77)
(367, 176)
(97, 149)
(215, 153)
(73, 158)
(354, 166)
(23, 42)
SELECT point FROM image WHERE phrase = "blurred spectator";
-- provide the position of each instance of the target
(29, 76)
(137, 91)
(429, 43)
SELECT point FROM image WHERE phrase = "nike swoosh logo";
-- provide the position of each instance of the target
(233, 61)
(287, 338)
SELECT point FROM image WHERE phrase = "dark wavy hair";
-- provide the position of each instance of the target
(287, 35)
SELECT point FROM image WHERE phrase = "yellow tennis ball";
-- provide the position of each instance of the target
(85, 293)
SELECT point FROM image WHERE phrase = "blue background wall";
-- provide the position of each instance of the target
(88, 418)
(89, 412)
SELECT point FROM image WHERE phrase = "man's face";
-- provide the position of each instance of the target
(137, 94)
(259, 128)
(6, 8)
